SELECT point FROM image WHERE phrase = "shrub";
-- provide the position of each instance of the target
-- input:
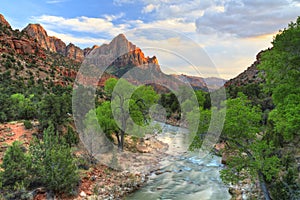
(15, 167)
(28, 124)
(54, 165)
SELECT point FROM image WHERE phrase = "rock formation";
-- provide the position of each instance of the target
(53, 44)
(3, 21)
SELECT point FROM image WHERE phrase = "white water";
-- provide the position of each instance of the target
(183, 175)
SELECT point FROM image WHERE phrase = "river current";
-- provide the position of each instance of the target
(183, 175)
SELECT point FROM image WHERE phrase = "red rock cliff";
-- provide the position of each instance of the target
(53, 44)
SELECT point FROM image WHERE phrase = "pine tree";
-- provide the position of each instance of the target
(15, 167)
(54, 163)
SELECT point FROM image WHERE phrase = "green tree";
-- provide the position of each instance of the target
(54, 110)
(53, 162)
(203, 125)
(22, 107)
(249, 155)
(281, 67)
(128, 102)
(106, 120)
(16, 164)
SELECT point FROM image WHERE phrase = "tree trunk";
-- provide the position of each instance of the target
(263, 185)
(119, 142)
(122, 140)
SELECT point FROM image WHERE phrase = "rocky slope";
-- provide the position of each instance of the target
(53, 44)
(250, 75)
(197, 83)
(3, 21)
(24, 58)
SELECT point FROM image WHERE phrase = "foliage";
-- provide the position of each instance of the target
(53, 109)
(16, 164)
(128, 105)
(203, 124)
(141, 101)
(28, 124)
(71, 137)
(170, 103)
(48, 163)
(53, 163)
(105, 118)
(281, 66)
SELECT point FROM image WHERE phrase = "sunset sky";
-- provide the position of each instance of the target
(231, 32)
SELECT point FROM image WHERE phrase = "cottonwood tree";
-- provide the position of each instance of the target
(129, 105)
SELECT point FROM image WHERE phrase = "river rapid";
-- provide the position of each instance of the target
(183, 175)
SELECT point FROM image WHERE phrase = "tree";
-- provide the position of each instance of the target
(281, 67)
(128, 105)
(23, 107)
(53, 162)
(141, 101)
(248, 153)
(54, 110)
(16, 164)
(203, 125)
(106, 120)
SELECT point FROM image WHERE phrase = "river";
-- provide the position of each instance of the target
(183, 175)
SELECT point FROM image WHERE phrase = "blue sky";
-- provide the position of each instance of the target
(231, 32)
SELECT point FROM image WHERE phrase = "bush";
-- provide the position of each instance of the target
(49, 163)
(54, 165)
(71, 137)
(15, 167)
(28, 124)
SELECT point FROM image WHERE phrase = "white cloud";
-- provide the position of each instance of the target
(114, 17)
(54, 1)
(149, 8)
(248, 18)
(240, 18)
(82, 24)
(80, 41)
(121, 2)
(175, 24)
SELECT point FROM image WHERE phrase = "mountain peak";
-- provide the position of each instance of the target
(53, 44)
(121, 45)
(3, 21)
(35, 28)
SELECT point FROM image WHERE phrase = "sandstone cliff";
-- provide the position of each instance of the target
(53, 44)
(3, 21)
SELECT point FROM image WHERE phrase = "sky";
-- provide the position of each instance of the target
(228, 33)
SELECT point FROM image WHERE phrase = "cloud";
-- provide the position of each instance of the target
(166, 9)
(55, 1)
(149, 8)
(175, 24)
(248, 18)
(114, 17)
(239, 18)
(83, 24)
(176, 52)
(80, 41)
(121, 2)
